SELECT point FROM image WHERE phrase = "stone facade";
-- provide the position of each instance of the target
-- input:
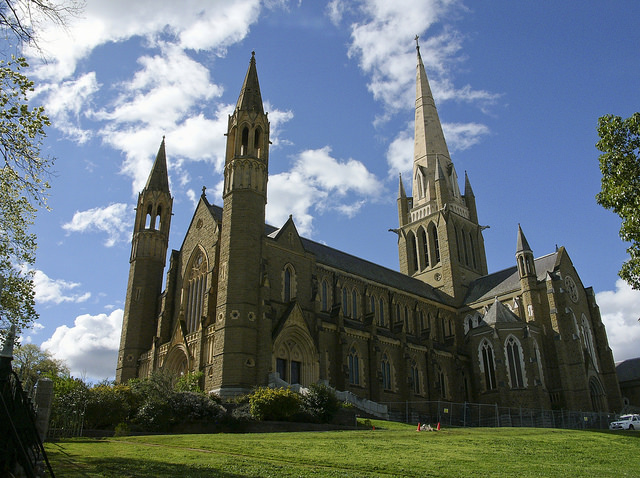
(244, 300)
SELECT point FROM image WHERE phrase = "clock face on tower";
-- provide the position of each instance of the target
(572, 289)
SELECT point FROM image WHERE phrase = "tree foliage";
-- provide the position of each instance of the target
(23, 187)
(32, 363)
(620, 192)
(22, 19)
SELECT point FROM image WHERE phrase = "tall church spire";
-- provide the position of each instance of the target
(440, 241)
(429, 138)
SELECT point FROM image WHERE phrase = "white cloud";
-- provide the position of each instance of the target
(335, 10)
(620, 310)
(56, 291)
(65, 102)
(459, 136)
(191, 24)
(90, 347)
(114, 220)
(317, 181)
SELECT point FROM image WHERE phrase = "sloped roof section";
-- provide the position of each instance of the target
(507, 280)
(498, 313)
(628, 370)
(368, 270)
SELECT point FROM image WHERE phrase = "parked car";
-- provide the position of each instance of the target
(626, 422)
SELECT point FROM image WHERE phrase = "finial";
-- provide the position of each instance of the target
(7, 349)
(204, 188)
(417, 44)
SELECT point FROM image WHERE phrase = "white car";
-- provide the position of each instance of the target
(626, 422)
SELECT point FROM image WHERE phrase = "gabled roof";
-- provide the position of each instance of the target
(507, 280)
(498, 313)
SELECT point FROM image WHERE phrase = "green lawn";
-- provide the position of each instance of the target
(389, 450)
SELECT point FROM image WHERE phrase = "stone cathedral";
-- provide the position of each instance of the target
(247, 303)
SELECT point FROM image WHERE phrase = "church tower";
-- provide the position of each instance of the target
(440, 241)
(147, 261)
(238, 311)
(528, 276)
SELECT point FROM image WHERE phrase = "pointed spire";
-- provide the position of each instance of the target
(159, 178)
(429, 138)
(401, 192)
(467, 186)
(523, 245)
(250, 98)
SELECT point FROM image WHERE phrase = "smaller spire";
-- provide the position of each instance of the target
(467, 186)
(159, 178)
(250, 98)
(401, 193)
(523, 245)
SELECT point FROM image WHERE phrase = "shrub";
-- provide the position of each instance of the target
(279, 404)
(189, 382)
(321, 403)
(107, 406)
(160, 414)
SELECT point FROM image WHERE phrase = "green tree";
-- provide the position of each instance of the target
(30, 362)
(620, 192)
(23, 187)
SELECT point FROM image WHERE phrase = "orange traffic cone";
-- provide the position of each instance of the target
(418, 427)
(438, 426)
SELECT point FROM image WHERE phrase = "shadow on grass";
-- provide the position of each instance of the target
(133, 467)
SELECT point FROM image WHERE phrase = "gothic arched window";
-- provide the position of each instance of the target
(515, 363)
(424, 246)
(385, 369)
(324, 295)
(381, 312)
(244, 147)
(415, 377)
(288, 283)
(354, 303)
(195, 288)
(412, 252)
(345, 302)
(487, 365)
(353, 363)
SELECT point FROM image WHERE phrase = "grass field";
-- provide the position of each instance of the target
(389, 450)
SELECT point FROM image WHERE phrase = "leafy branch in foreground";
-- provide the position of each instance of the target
(620, 192)
(23, 188)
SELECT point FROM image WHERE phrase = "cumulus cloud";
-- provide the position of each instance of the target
(114, 220)
(56, 291)
(381, 43)
(191, 24)
(317, 182)
(459, 136)
(90, 347)
(620, 310)
(67, 101)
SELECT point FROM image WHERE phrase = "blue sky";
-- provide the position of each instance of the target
(519, 87)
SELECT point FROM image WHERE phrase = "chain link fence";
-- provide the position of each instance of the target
(485, 415)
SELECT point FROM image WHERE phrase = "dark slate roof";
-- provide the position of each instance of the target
(628, 370)
(506, 281)
(368, 270)
(498, 313)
